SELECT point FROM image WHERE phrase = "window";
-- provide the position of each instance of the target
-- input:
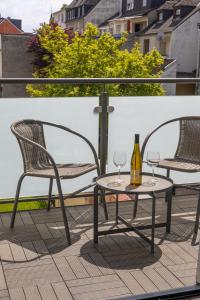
(137, 27)
(111, 29)
(146, 46)
(62, 18)
(144, 3)
(178, 12)
(163, 47)
(160, 16)
(118, 29)
(130, 4)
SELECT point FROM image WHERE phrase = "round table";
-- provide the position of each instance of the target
(107, 182)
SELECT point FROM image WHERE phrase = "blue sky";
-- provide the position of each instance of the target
(31, 12)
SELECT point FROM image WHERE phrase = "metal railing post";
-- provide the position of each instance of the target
(103, 131)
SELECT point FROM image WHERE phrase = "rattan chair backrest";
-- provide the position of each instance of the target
(189, 140)
(33, 156)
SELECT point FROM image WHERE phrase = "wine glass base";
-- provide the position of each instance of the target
(113, 184)
(149, 183)
(119, 180)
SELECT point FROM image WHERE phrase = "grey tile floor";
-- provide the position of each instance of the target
(36, 262)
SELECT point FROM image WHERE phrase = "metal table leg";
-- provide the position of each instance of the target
(169, 210)
(96, 189)
(153, 222)
(117, 207)
(135, 206)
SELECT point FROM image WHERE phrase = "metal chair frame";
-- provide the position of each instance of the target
(176, 156)
(43, 150)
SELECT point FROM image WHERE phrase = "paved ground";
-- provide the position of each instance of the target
(37, 264)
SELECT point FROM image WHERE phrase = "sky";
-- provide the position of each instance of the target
(31, 12)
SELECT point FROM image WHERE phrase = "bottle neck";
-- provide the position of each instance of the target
(137, 138)
(136, 146)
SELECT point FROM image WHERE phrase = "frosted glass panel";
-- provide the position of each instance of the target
(75, 113)
(143, 114)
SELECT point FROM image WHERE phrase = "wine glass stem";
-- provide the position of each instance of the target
(119, 173)
(153, 173)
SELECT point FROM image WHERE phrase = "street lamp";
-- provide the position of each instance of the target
(198, 60)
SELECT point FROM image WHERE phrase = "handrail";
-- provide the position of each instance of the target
(104, 102)
(97, 80)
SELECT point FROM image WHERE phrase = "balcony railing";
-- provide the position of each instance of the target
(110, 124)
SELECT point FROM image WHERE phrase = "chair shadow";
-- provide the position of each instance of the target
(180, 232)
(30, 240)
(128, 258)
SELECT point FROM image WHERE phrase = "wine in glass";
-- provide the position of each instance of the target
(153, 158)
(119, 160)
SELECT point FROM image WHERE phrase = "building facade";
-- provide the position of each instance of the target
(15, 62)
(80, 12)
(175, 35)
(59, 17)
(135, 16)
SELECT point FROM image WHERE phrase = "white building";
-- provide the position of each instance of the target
(175, 35)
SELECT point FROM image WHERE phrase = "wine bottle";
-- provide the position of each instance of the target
(136, 164)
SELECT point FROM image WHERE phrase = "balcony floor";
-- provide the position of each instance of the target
(37, 264)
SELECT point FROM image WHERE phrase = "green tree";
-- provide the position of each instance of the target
(92, 55)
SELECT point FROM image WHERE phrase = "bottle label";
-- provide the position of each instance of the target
(136, 178)
(135, 173)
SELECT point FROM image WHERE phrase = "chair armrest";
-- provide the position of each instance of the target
(79, 135)
(151, 133)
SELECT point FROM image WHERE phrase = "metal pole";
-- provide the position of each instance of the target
(103, 131)
(198, 61)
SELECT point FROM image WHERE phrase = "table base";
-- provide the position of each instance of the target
(129, 227)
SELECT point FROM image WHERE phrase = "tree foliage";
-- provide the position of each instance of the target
(61, 54)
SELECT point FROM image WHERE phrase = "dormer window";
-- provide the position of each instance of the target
(160, 16)
(130, 4)
(144, 3)
(178, 12)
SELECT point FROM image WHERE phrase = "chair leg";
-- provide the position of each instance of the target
(50, 193)
(196, 227)
(63, 210)
(168, 175)
(174, 191)
(16, 200)
(135, 207)
(103, 200)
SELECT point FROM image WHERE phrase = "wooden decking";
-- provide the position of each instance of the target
(36, 262)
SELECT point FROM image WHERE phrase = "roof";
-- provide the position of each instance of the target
(167, 63)
(130, 13)
(168, 5)
(171, 4)
(76, 3)
(187, 3)
(16, 22)
(105, 23)
(171, 23)
(10, 26)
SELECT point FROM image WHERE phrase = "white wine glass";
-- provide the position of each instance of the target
(119, 160)
(153, 158)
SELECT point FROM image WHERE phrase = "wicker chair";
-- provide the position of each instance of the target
(39, 163)
(187, 155)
